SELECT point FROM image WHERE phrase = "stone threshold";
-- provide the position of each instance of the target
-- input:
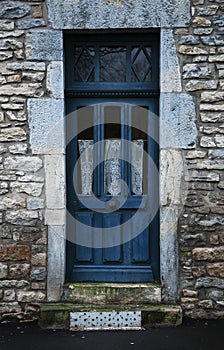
(109, 317)
(111, 293)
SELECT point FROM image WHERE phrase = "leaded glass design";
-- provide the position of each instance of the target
(141, 64)
(114, 63)
(84, 64)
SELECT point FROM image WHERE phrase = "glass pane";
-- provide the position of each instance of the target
(84, 64)
(112, 150)
(141, 64)
(84, 116)
(113, 63)
(112, 121)
(139, 176)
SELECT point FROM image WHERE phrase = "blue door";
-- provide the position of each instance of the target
(112, 159)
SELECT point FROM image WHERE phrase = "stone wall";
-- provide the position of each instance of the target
(23, 236)
(30, 50)
(201, 233)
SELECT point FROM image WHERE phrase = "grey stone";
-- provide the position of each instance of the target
(15, 34)
(18, 148)
(5, 24)
(212, 117)
(169, 264)
(207, 10)
(188, 39)
(192, 50)
(30, 23)
(208, 282)
(33, 189)
(12, 201)
(216, 154)
(170, 69)
(219, 20)
(12, 134)
(3, 270)
(55, 79)
(10, 44)
(203, 31)
(22, 217)
(194, 85)
(56, 262)
(30, 296)
(193, 70)
(9, 295)
(35, 203)
(5, 55)
(10, 307)
(35, 66)
(46, 123)
(45, 45)
(204, 176)
(178, 118)
(84, 14)
(28, 163)
(38, 273)
(28, 90)
(213, 40)
(14, 284)
(13, 9)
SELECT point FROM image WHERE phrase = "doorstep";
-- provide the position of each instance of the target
(111, 293)
(108, 317)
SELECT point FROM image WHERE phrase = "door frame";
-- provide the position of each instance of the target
(55, 212)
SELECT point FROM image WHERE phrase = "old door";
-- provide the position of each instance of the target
(112, 158)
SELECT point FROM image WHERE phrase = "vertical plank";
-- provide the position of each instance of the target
(113, 254)
(82, 253)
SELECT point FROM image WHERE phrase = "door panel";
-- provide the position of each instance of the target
(135, 256)
(112, 157)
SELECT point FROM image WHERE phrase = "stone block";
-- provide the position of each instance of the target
(10, 307)
(35, 203)
(24, 66)
(203, 176)
(84, 14)
(6, 24)
(14, 284)
(177, 121)
(23, 163)
(193, 70)
(14, 9)
(216, 270)
(14, 252)
(55, 79)
(45, 45)
(33, 189)
(172, 168)
(30, 23)
(9, 295)
(5, 55)
(17, 271)
(56, 262)
(208, 282)
(212, 117)
(169, 247)
(208, 254)
(30, 296)
(55, 181)
(55, 217)
(18, 148)
(46, 123)
(169, 65)
(38, 259)
(12, 201)
(195, 85)
(22, 217)
(38, 273)
(3, 270)
(24, 89)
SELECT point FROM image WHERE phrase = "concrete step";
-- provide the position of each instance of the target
(108, 317)
(111, 293)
